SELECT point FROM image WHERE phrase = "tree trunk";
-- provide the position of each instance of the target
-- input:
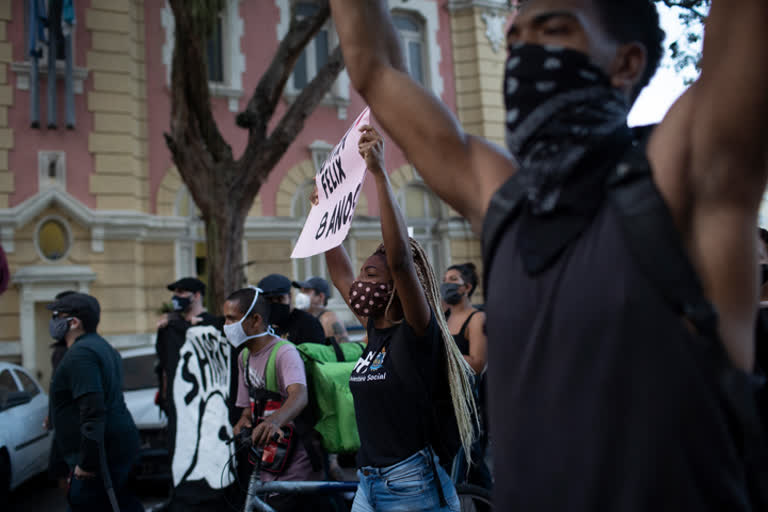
(224, 237)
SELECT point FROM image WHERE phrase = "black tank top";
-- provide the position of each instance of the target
(602, 395)
(388, 401)
(460, 338)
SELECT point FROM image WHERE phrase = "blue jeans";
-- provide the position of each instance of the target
(408, 485)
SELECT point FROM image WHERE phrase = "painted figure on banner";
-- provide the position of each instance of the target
(201, 394)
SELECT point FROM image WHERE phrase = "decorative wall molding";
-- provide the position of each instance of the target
(459, 5)
(494, 29)
(24, 69)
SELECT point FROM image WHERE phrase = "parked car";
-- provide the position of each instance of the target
(140, 390)
(25, 444)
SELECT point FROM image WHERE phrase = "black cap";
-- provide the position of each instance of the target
(275, 284)
(81, 305)
(188, 284)
(318, 284)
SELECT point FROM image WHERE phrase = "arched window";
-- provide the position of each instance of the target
(411, 29)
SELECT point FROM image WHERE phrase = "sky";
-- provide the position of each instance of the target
(668, 84)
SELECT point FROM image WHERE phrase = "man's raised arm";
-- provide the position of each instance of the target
(463, 170)
(710, 159)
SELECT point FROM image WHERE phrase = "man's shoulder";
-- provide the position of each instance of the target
(90, 341)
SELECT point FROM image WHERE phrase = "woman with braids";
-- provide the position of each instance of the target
(467, 323)
(397, 296)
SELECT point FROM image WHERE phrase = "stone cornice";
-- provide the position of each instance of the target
(460, 5)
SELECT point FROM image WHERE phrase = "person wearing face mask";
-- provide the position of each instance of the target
(247, 314)
(410, 365)
(188, 310)
(94, 430)
(612, 366)
(294, 324)
(313, 298)
(467, 324)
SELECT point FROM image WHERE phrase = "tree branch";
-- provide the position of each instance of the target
(265, 156)
(191, 115)
(267, 94)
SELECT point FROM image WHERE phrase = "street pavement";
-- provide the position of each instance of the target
(41, 494)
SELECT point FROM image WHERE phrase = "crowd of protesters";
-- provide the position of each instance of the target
(622, 332)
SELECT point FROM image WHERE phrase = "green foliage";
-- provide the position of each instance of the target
(692, 14)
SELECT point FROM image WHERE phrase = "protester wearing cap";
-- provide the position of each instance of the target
(313, 298)
(290, 323)
(188, 309)
(88, 408)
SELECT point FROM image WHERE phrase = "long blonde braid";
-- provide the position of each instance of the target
(459, 371)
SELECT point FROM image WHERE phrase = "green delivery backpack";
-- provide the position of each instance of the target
(328, 369)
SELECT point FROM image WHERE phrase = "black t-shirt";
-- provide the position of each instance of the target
(171, 337)
(91, 365)
(389, 403)
(303, 327)
(598, 396)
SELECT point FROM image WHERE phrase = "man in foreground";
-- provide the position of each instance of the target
(94, 430)
(602, 396)
(247, 317)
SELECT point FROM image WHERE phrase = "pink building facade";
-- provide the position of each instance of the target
(101, 208)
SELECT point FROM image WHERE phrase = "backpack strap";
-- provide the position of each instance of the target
(270, 374)
(652, 237)
(504, 206)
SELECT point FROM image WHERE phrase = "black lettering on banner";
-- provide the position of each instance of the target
(340, 176)
(322, 180)
(321, 229)
(347, 207)
(188, 376)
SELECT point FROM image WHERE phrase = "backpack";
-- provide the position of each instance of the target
(328, 369)
(331, 411)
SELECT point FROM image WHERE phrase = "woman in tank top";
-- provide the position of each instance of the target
(467, 323)
(397, 297)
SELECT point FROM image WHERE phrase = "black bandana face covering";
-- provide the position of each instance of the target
(566, 126)
(558, 105)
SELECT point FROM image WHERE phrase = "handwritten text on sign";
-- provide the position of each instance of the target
(338, 186)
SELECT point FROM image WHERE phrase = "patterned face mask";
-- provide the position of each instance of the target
(367, 298)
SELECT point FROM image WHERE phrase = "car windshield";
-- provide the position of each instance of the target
(139, 372)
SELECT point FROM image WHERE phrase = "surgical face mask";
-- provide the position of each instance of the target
(450, 293)
(180, 303)
(58, 328)
(302, 301)
(235, 333)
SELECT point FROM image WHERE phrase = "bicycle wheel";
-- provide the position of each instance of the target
(474, 498)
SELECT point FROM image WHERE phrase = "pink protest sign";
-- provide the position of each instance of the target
(338, 188)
